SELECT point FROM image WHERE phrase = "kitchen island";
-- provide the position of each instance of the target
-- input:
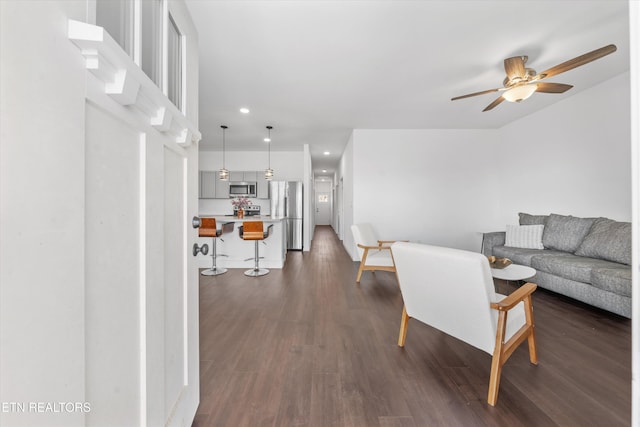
(274, 249)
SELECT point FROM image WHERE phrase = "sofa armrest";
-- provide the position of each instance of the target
(489, 240)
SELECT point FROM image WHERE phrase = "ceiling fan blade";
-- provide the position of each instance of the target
(577, 62)
(552, 87)
(494, 104)
(515, 66)
(477, 93)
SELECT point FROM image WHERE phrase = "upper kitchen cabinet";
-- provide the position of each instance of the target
(208, 181)
(211, 187)
(236, 176)
(250, 176)
(243, 176)
(222, 189)
(263, 189)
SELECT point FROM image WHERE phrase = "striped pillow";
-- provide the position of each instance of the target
(524, 236)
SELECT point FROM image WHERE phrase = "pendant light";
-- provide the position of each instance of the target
(224, 173)
(268, 173)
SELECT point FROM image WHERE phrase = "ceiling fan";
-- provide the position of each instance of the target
(522, 82)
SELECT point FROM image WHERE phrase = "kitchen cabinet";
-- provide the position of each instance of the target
(211, 187)
(237, 176)
(243, 176)
(250, 176)
(222, 189)
(208, 181)
(263, 188)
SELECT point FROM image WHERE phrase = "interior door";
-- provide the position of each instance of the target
(323, 208)
(141, 291)
(142, 281)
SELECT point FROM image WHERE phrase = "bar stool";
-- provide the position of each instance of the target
(254, 230)
(208, 228)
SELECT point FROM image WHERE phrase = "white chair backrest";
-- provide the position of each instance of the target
(363, 234)
(448, 289)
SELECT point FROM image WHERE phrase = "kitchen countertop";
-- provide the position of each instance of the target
(231, 218)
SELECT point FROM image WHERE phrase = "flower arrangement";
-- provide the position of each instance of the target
(240, 202)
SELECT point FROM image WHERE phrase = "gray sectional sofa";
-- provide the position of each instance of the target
(588, 259)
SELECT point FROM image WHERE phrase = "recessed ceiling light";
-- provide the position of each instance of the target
(326, 153)
(244, 110)
(324, 170)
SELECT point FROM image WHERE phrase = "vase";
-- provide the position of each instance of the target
(240, 213)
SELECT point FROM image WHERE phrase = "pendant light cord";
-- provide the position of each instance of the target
(224, 129)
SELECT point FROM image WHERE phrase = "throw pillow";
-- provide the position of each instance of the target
(524, 236)
(526, 219)
(609, 240)
(565, 233)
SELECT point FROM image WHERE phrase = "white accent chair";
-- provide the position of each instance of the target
(374, 254)
(452, 290)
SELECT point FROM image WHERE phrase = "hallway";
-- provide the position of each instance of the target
(307, 346)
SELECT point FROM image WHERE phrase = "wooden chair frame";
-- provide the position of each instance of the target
(502, 350)
(382, 245)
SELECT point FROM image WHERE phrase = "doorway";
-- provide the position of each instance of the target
(323, 208)
(323, 203)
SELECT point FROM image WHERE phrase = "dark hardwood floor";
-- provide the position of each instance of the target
(307, 346)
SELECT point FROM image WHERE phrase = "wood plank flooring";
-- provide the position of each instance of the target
(307, 346)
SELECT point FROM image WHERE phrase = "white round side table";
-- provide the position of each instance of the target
(513, 273)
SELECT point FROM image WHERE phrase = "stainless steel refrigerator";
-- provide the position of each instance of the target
(286, 202)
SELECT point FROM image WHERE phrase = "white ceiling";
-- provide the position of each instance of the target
(316, 69)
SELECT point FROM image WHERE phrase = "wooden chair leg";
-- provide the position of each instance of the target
(404, 324)
(362, 263)
(497, 360)
(531, 340)
(359, 272)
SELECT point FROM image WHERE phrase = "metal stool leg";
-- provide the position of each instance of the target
(214, 270)
(256, 271)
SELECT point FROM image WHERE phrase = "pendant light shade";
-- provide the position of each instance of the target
(224, 172)
(268, 173)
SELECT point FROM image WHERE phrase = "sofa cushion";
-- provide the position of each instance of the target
(569, 266)
(524, 236)
(616, 280)
(520, 255)
(565, 233)
(527, 219)
(608, 239)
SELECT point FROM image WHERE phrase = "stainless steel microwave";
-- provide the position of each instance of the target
(246, 189)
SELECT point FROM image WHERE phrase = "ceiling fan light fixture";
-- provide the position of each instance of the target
(520, 93)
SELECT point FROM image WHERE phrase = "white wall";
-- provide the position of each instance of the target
(42, 334)
(345, 177)
(308, 223)
(444, 187)
(431, 186)
(572, 158)
(286, 165)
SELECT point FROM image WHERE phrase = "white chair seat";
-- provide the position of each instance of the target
(381, 258)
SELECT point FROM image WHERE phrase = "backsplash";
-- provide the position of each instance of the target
(224, 207)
